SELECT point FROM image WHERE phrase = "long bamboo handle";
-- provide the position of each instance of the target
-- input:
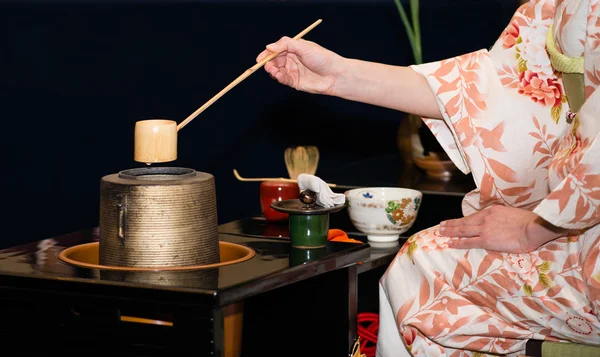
(274, 179)
(243, 76)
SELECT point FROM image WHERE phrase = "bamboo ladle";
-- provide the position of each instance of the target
(155, 140)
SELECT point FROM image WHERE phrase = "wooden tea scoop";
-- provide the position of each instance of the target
(276, 179)
(156, 140)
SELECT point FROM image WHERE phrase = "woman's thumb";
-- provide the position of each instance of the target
(284, 44)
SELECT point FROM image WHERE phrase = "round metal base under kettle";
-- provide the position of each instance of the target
(86, 256)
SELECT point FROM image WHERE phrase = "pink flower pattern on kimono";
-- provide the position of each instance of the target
(547, 91)
(434, 241)
(531, 48)
(525, 269)
(510, 35)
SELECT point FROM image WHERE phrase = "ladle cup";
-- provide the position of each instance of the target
(156, 139)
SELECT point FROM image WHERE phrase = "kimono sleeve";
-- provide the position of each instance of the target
(575, 202)
(463, 86)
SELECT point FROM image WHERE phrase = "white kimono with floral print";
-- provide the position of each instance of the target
(505, 122)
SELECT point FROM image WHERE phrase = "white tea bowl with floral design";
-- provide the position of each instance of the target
(383, 213)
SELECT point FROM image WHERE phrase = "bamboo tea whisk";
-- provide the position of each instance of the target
(301, 160)
(156, 140)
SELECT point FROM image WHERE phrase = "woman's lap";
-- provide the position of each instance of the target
(488, 301)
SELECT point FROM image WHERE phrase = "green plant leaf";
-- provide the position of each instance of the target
(414, 9)
(409, 31)
(528, 290)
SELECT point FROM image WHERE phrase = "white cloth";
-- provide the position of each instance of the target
(325, 196)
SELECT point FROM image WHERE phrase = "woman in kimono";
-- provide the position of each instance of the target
(523, 118)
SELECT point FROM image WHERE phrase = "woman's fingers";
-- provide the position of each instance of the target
(278, 64)
(460, 231)
(469, 226)
(284, 44)
(473, 220)
(466, 243)
(282, 78)
(279, 61)
(271, 68)
(262, 55)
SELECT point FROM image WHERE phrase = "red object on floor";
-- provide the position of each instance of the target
(368, 326)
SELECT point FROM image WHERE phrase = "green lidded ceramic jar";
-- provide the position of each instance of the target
(308, 222)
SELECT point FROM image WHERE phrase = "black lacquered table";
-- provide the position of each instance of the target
(291, 303)
(379, 254)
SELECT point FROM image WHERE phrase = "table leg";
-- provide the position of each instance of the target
(218, 327)
(352, 304)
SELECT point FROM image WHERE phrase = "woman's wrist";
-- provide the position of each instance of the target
(344, 83)
(539, 232)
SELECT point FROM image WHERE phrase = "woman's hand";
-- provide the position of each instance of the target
(501, 228)
(303, 65)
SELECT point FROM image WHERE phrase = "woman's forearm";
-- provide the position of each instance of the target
(394, 87)
(539, 232)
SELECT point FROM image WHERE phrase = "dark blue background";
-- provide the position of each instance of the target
(75, 76)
